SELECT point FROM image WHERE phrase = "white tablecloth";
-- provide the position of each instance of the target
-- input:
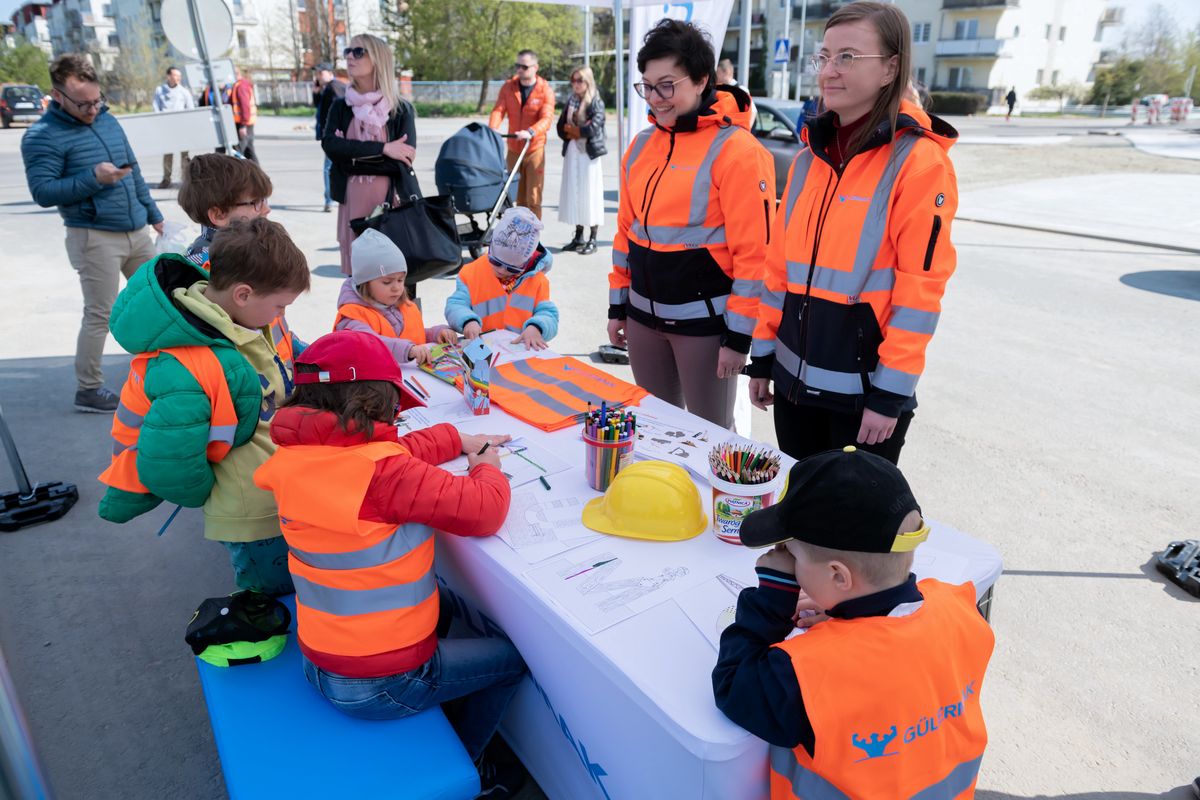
(627, 712)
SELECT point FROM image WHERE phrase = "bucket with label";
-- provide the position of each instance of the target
(731, 502)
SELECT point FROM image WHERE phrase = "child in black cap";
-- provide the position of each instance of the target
(879, 698)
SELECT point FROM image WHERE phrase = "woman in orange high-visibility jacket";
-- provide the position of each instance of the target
(696, 203)
(861, 251)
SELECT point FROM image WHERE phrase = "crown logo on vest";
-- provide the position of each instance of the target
(875, 747)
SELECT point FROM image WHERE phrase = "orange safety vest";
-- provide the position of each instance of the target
(243, 115)
(202, 363)
(362, 588)
(497, 308)
(414, 323)
(554, 393)
(859, 261)
(894, 703)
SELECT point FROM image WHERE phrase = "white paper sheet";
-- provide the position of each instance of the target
(542, 524)
(712, 605)
(520, 461)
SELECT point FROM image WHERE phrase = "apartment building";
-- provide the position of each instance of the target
(30, 22)
(981, 46)
(84, 26)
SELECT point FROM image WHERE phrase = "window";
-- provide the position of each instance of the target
(1062, 33)
(921, 31)
(767, 121)
(1016, 31)
(1041, 77)
(1054, 78)
(106, 10)
(114, 40)
(960, 77)
(300, 5)
(966, 29)
(1049, 28)
(921, 75)
(241, 39)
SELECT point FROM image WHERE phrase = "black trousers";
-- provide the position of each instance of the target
(804, 430)
(245, 143)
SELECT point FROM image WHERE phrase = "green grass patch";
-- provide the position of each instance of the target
(288, 111)
(445, 109)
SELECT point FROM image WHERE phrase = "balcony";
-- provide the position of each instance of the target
(817, 9)
(970, 48)
(951, 5)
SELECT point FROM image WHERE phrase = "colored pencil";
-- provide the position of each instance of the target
(418, 383)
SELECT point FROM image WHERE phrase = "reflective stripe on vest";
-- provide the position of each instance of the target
(550, 393)
(362, 587)
(811, 786)
(825, 379)
(131, 412)
(697, 309)
(496, 308)
(413, 323)
(694, 233)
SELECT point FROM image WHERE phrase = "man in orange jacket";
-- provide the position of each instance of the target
(528, 102)
(245, 114)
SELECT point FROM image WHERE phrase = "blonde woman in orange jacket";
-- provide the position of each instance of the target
(697, 199)
(861, 250)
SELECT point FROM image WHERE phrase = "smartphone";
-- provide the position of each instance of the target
(126, 165)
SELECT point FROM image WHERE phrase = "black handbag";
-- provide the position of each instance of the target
(423, 228)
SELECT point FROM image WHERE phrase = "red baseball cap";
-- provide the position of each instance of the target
(351, 356)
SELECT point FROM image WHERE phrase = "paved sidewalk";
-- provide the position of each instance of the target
(1173, 142)
(1155, 210)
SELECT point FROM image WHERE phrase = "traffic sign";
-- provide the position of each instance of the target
(215, 22)
(783, 51)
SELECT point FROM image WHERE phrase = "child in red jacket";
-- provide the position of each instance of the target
(358, 508)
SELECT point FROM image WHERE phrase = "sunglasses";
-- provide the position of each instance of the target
(509, 267)
(523, 67)
(356, 52)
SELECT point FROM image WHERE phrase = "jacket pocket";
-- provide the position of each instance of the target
(933, 237)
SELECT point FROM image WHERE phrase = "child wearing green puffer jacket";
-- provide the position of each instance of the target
(214, 363)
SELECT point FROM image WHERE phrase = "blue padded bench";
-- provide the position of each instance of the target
(277, 737)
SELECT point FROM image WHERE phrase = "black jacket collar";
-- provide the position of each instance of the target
(879, 604)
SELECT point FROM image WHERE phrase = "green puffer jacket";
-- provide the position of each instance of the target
(171, 458)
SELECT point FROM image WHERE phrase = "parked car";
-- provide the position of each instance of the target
(777, 128)
(19, 103)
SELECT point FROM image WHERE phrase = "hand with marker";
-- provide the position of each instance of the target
(480, 448)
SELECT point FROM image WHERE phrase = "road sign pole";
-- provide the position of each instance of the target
(202, 49)
(800, 57)
(787, 35)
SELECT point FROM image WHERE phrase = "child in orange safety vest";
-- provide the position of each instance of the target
(886, 665)
(373, 300)
(507, 289)
(358, 508)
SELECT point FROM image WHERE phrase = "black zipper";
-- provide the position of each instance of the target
(933, 237)
(646, 196)
(767, 218)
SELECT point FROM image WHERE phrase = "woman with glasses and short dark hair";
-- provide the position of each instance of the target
(697, 200)
(370, 138)
(861, 250)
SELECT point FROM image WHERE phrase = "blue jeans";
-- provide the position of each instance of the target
(484, 673)
(328, 199)
(261, 566)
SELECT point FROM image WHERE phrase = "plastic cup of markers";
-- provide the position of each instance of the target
(731, 502)
(603, 460)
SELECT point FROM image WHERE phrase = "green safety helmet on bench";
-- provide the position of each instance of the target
(247, 627)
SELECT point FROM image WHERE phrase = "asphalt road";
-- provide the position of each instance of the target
(1058, 421)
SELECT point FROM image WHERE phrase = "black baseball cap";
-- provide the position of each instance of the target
(845, 499)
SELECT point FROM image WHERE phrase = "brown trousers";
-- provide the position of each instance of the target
(533, 175)
(681, 370)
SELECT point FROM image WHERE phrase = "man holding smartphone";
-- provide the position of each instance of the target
(78, 159)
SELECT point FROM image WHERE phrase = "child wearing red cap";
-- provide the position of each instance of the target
(358, 507)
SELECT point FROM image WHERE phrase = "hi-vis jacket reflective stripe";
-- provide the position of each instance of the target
(362, 588)
(696, 206)
(551, 393)
(414, 323)
(858, 265)
(496, 308)
(245, 109)
(893, 701)
(134, 405)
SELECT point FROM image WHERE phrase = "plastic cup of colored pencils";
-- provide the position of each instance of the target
(608, 438)
(744, 478)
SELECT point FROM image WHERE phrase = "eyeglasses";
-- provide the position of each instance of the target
(496, 263)
(524, 67)
(257, 205)
(578, 80)
(842, 62)
(356, 52)
(84, 107)
(666, 89)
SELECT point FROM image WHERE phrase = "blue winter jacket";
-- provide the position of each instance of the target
(61, 154)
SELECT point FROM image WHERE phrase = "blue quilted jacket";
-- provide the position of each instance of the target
(60, 154)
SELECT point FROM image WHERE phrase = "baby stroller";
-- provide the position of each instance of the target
(471, 168)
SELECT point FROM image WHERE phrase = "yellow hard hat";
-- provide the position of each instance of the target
(649, 500)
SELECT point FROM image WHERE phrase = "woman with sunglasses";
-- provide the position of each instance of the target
(697, 197)
(370, 138)
(861, 251)
(581, 127)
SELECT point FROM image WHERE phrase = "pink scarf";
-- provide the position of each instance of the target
(371, 109)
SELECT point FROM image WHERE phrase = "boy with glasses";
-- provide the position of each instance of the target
(78, 159)
(528, 102)
(218, 189)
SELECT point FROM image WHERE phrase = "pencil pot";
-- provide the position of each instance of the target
(731, 502)
(603, 460)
